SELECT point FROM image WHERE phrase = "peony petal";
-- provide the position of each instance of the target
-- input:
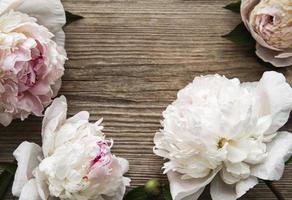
(5, 119)
(42, 187)
(81, 116)
(235, 154)
(195, 195)
(50, 14)
(30, 104)
(120, 167)
(124, 165)
(220, 190)
(70, 129)
(263, 125)
(30, 191)
(243, 186)
(56, 87)
(240, 169)
(189, 188)
(60, 39)
(276, 58)
(245, 9)
(41, 88)
(6, 5)
(228, 177)
(119, 194)
(275, 99)
(28, 156)
(280, 150)
(285, 55)
(55, 116)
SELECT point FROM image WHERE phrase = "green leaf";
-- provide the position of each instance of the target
(9, 167)
(166, 193)
(6, 176)
(240, 35)
(5, 180)
(136, 194)
(234, 7)
(70, 17)
(289, 161)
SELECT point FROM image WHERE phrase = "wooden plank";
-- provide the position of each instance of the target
(128, 59)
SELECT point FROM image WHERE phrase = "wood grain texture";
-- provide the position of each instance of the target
(128, 59)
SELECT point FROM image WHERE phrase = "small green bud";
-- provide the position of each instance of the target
(152, 187)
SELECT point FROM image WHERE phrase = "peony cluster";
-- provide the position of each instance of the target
(75, 161)
(32, 56)
(224, 132)
(270, 23)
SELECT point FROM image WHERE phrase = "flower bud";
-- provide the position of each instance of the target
(152, 187)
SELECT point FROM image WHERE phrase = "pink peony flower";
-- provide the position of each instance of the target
(32, 57)
(270, 24)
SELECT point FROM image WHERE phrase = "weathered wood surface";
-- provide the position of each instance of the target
(128, 59)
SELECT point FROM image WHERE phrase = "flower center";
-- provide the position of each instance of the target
(103, 158)
(222, 142)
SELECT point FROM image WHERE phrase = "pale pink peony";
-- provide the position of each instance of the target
(32, 57)
(270, 24)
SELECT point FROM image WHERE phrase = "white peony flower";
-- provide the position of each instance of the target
(225, 132)
(75, 161)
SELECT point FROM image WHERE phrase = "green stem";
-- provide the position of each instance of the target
(274, 189)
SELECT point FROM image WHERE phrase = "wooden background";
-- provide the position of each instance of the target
(128, 59)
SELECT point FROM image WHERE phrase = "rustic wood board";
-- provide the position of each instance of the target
(128, 59)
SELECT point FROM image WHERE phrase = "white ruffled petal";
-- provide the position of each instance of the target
(30, 191)
(57, 86)
(50, 14)
(280, 150)
(70, 128)
(263, 125)
(42, 187)
(28, 156)
(60, 39)
(54, 118)
(81, 116)
(121, 166)
(189, 188)
(124, 165)
(6, 5)
(245, 185)
(195, 195)
(238, 169)
(221, 191)
(275, 99)
(235, 154)
(228, 177)
(119, 194)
